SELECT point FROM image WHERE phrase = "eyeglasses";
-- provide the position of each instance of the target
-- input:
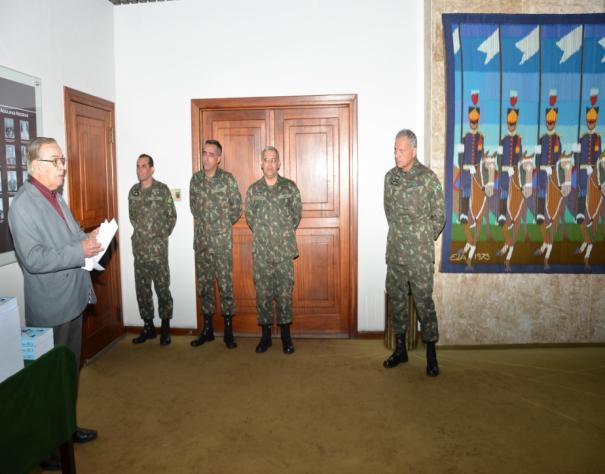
(270, 160)
(56, 161)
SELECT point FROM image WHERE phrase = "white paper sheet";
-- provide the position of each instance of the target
(106, 232)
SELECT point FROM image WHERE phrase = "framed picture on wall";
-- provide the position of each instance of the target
(20, 122)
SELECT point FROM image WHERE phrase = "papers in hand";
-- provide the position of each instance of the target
(106, 232)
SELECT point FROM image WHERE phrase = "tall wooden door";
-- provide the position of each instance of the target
(316, 138)
(91, 177)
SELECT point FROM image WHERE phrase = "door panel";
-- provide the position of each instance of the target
(92, 199)
(311, 156)
(243, 134)
(313, 136)
(316, 271)
(92, 206)
(243, 284)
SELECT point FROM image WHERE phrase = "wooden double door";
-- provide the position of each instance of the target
(316, 139)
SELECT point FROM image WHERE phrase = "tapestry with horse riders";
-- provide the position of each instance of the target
(525, 166)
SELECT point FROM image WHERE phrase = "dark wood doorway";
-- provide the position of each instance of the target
(317, 140)
(91, 178)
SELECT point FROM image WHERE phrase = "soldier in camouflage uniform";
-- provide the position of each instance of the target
(216, 204)
(413, 203)
(153, 216)
(273, 212)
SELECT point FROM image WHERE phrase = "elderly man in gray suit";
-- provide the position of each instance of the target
(51, 248)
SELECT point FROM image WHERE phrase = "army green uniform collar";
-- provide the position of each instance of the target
(142, 189)
(272, 186)
(217, 175)
(413, 170)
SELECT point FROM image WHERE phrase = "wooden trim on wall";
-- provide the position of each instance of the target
(370, 335)
(275, 102)
(354, 321)
(72, 95)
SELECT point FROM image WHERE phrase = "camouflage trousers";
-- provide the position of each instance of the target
(274, 281)
(208, 266)
(156, 272)
(420, 280)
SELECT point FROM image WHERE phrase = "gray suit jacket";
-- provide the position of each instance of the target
(50, 254)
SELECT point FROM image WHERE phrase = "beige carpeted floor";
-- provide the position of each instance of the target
(332, 408)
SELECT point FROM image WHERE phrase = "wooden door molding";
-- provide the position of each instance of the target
(92, 191)
(279, 120)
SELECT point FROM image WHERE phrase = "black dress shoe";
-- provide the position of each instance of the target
(83, 435)
(51, 463)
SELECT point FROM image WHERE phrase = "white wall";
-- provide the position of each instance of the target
(168, 53)
(64, 43)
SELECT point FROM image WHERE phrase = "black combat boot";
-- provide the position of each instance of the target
(228, 334)
(432, 369)
(286, 339)
(400, 354)
(165, 333)
(148, 332)
(265, 340)
(207, 333)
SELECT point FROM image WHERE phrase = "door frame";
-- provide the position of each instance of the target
(75, 96)
(279, 102)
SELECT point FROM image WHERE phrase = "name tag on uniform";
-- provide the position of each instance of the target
(413, 186)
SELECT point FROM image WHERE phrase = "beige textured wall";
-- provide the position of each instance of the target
(517, 308)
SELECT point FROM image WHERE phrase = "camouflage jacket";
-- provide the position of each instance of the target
(216, 204)
(413, 204)
(273, 214)
(153, 216)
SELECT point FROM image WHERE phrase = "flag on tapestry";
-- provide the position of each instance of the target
(525, 169)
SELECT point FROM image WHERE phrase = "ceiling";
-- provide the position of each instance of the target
(124, 2)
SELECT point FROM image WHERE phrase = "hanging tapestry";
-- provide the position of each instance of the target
(525, 167)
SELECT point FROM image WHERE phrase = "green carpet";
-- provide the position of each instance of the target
(332, 408)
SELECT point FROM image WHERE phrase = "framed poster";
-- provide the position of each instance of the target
(20, 122)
